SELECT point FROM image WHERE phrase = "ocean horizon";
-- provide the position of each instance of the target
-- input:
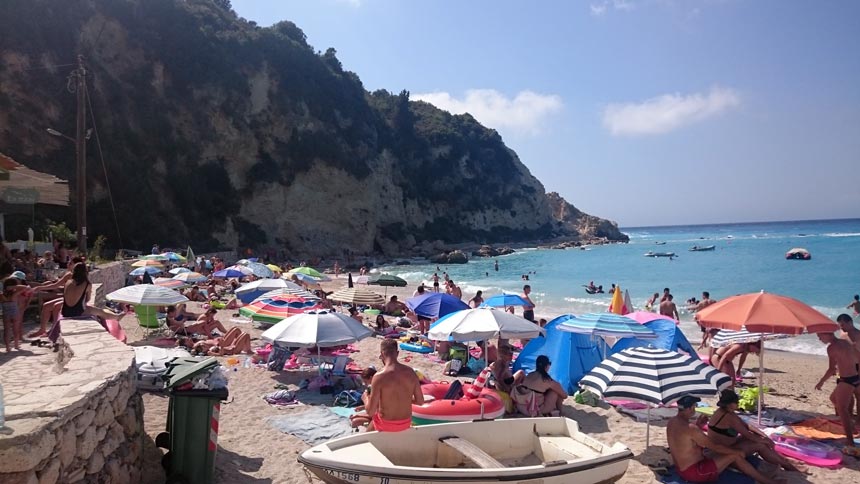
(748, 257)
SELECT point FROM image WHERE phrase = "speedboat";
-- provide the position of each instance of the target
(531, 451)
(659, 243)
(659, 254)
(706, 248)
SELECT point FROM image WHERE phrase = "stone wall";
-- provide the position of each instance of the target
(111, 276)
(77, 422)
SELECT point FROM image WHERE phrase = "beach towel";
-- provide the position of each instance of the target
(313, 426)
(527, 401)
(281, 398)
(820, 429)
(727, 477)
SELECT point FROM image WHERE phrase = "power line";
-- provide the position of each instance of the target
(104, 166)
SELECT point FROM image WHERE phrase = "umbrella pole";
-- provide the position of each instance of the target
(648, 429)
(760, 378)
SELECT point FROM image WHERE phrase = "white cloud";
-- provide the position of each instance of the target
(523, 113)
(600, 8)
(665, 113)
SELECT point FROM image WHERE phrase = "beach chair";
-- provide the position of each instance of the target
(147, 318)
(337, 368)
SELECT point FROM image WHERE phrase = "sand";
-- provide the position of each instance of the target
(251, 451)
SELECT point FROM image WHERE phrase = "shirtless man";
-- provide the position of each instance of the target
(705, 302)
(855, 304)
(668, 308)
(501, 370)
(395, 389)
(528, 311)
(843, 359)
(665, 294)
(206, 323)
(687, 443)
(723, 358)
(455, 289)
(394, 307)
(435, 282)
(846, 324)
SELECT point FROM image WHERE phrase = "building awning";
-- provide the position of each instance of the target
(20, 185)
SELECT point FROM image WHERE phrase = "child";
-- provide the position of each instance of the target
(11, 322)
(360, 417)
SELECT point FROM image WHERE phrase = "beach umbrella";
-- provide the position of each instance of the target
(275, 308)
(653, 376)
(603, 324)
(505, 300)
(179, 270)
(628, 304)
(174, 257)
(260, 270)
(386, 280)
(252, 290)
(228, 273)
(274, 268)
(292, 289)
(144, 270)
(240, 268)
(147, 278)
(434, 304)
(155, 257)
(357, 296)
(763, 312)
(242, 262)
(190, 277)
(308, 271)
(481, 324)
(169, 283)
(361, 279)
(349, 282)
(620, 303)
(189, 254)
(320, 328)
(725, 337)
(147, 263)
(643, 317)
(147, 295)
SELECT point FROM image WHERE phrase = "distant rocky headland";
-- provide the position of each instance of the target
(221, 134)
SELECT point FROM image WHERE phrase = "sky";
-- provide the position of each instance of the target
(646, 112)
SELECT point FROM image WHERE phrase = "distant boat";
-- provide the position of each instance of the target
(548, 451)
(706, 248)
(659, 243)
(798, 253)
(660, 254)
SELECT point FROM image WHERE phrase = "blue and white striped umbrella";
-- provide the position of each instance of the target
(726, 337)
(603, 324)
(260, 270)
(504, 300)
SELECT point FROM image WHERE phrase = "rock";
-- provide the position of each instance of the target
(112, 391)
(77, 475)
(26, 477)
(114, 470)
(129, 421)
(457, 257)
(84, 421)
(50, 473)
(26, 455)
(68, 447)
(96, 463)
(87, 443)
(104, 414)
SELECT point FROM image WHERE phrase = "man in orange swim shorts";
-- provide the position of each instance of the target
(395, 389)
(687, 443)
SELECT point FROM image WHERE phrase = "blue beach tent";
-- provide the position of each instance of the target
(572, 355)
(669, 337)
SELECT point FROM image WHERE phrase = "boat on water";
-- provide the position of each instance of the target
(798, 253)
(697, 248)
(659, 243)
(536, 450)
(660, 254)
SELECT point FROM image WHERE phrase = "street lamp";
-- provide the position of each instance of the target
(54, 132)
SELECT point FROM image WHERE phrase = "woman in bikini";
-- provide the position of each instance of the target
(548, 393)
(233, 342)
(726, 428)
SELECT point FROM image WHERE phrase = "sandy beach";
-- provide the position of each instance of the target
(252, 451)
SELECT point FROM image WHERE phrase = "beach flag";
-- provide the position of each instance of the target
(617, 304)
(628, 304)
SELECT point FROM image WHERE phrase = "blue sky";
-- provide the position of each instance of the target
(647, 112)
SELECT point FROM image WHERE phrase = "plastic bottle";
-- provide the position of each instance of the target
(247, 363)
(2, 409)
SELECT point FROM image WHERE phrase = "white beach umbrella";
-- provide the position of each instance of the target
(653, 376)
(321, 328)
(147, 295)
(357, 296)
(481, 324)
(252, 290)
(292, 289)
(243, 269)
(179, 270)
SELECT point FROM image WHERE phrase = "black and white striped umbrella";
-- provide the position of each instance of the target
(727, 337)
(654, 376)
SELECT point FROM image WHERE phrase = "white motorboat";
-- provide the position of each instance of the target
(524, 451)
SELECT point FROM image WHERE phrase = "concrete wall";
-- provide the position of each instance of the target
(80, 421)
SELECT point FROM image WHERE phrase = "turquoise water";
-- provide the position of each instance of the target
(748, 258)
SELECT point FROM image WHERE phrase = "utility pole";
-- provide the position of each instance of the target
(81, 154)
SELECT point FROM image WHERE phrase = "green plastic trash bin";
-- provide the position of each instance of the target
(192, 424)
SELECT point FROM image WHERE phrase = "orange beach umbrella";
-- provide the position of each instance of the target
(617, 304)
(762, 312)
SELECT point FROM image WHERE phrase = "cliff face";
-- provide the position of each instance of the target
(572, 220)
(216, 132)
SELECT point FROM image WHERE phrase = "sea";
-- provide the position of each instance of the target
(748, 257)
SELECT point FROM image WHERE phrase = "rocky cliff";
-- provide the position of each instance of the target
(217, 132)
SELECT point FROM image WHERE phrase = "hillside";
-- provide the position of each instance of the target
(220, 133)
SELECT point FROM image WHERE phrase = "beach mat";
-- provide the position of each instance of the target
(727, 477)
(313, 426)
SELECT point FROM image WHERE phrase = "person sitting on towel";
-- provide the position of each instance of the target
(394, 307)
(548, 393)
(395, 389)
(687, 444)
(360, 417)
(726, 428)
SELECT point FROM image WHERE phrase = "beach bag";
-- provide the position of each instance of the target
(348, 398)
(453, 367)
(525, 400)
(277, 359)
(458, 354)
(475, 365)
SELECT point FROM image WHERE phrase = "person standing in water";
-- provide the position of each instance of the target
(528, 310)
(855, 304)
(497, 265)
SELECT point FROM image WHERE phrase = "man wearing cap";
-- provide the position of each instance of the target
(687, 443)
